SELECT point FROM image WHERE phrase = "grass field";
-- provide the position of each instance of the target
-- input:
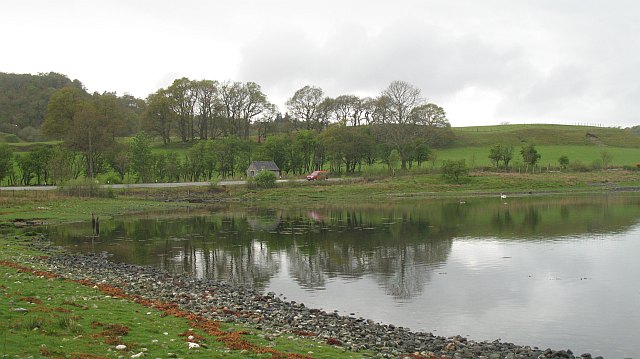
(478, 156)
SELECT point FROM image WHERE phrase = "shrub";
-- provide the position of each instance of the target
(455, 171)
(563, 161)
(578, 166)
(11, 138)
(265, 179)
(85, 188)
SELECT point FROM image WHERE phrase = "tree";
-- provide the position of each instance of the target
(563, 161)
(183, 97)
(403, 99)
(173, 168)
(393, 159)
(278, 150)
(118, 157)
(350, 110)
(307, 154)
(430, 114)
(6, 161)
(421, 153)
(158, 118)
(232, 154)
(348, 145)
(64, 164)
(502, 153)
(141, 157)
(392, 118)
(61, 109)
(242, 104)
(208, 108)
(529, 154)
(39, 158)
(87, 124)
(303, 106)
(455, 171)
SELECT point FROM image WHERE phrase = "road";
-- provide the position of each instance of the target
(151, 185)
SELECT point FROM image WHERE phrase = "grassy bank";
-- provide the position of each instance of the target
(363, 190)
(63, 318)
(44, 315)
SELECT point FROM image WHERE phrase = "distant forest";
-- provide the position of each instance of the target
(233, 122)
(24, 99)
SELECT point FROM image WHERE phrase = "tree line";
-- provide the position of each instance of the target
(226, 125)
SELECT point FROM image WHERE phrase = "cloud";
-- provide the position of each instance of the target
(485, 62)
(354, 60)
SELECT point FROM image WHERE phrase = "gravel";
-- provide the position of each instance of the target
(276, 317)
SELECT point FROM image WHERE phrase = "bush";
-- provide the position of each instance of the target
(578, 166)
(563, 161)
(85, 188)
(11, 138)
(455, 171)
(265, 179)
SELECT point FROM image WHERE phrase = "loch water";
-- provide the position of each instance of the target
(559, 271)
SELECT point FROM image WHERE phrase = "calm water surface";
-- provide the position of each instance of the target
(557, 272)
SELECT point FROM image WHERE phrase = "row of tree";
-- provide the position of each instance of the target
(341, 149)
(500, 153)
(197, 111)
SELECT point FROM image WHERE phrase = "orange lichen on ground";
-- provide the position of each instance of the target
(31, 300)
(231, 340)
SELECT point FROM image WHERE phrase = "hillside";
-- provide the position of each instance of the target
(515, 135)
(24, 99)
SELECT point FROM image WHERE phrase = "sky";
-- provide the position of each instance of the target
(485, 62)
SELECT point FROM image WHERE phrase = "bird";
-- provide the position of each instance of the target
(503, 196)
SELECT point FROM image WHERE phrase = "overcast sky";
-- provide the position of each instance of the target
(485, 62)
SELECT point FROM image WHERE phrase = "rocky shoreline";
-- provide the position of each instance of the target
(266, 311)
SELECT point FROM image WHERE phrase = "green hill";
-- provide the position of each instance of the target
(515, 135)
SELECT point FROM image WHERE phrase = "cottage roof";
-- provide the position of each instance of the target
(263, 166)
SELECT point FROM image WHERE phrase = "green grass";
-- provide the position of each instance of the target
(366, 190)
(479, 156)
(42, 316)
(52, 207)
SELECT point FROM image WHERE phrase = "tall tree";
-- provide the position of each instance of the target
(529, 154)
(158, 117)
(208, 108)
(87, 124)
(183, 98)
(392, 118)
(303, 106)
(6, 160)
(61, 109)
(141, 157)
(430, 114)
(243, 104)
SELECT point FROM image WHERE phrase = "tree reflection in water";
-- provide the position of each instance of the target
(399, 245)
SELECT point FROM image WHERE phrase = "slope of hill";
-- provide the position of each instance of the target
(24, 98)
(515, 135)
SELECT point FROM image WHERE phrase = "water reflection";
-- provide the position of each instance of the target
(398, 244)
(550, 272)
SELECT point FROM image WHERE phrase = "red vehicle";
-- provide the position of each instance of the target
(316, 175)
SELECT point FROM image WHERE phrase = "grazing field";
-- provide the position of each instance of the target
(478, 156)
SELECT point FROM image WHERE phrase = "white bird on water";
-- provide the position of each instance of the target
(503, 196)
